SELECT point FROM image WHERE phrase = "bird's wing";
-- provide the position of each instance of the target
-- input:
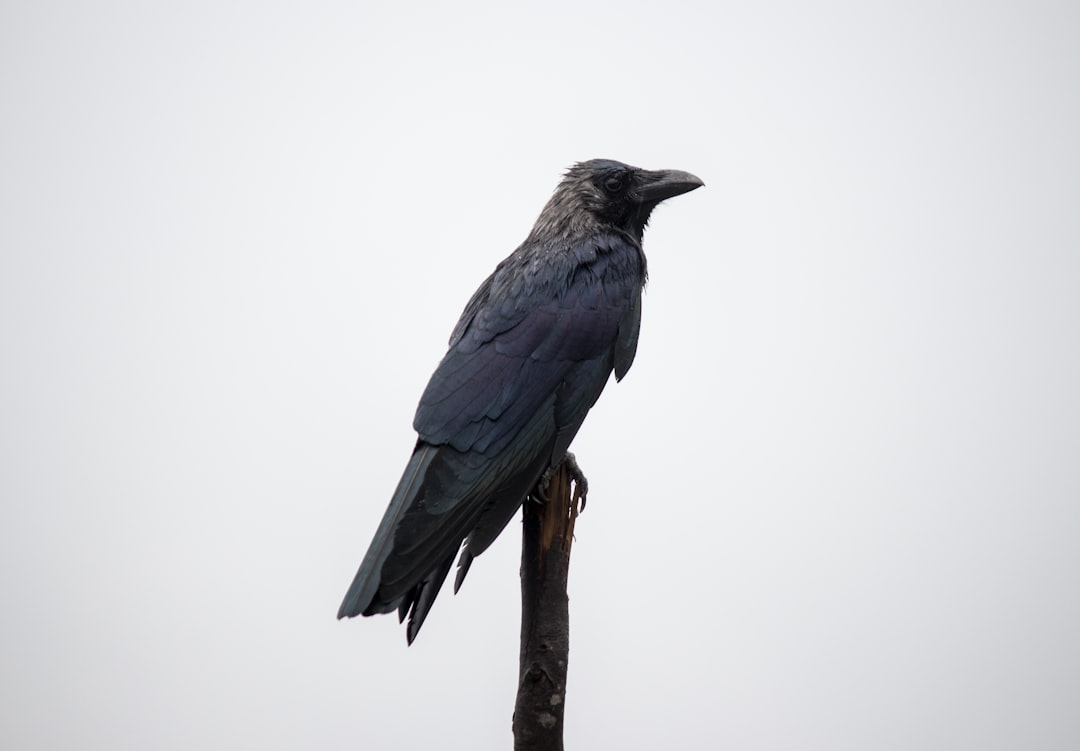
(523, 333)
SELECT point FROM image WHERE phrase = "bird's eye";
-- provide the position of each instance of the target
(613, 184)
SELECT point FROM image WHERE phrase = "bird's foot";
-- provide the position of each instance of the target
(581, 484)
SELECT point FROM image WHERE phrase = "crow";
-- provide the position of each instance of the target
(527, 360)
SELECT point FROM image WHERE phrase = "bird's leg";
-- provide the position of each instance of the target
(581, 484)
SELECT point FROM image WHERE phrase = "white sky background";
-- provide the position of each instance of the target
(835, 504)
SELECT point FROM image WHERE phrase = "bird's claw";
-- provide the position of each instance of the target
(581, 484)
(539, 493)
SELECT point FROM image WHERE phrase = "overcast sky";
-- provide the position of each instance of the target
(834, 505)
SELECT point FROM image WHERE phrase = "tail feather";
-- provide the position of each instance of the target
(361, 597)
(463, 568)
(445, 497)
(427, 591)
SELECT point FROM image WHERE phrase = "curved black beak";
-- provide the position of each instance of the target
(663, 184)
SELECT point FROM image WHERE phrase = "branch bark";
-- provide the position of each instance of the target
(547, 535)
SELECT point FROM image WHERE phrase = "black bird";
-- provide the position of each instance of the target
(527, 360)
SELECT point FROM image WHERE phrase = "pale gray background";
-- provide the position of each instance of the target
(835, 503)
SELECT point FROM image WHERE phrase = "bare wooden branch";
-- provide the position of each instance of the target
(547, 535)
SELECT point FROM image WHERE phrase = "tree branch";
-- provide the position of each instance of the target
(547, 535)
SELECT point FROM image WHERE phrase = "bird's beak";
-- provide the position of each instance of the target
(664, 184)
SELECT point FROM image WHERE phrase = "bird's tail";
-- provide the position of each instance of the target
(361, 599)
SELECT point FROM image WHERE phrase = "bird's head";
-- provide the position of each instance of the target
(603, 193)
